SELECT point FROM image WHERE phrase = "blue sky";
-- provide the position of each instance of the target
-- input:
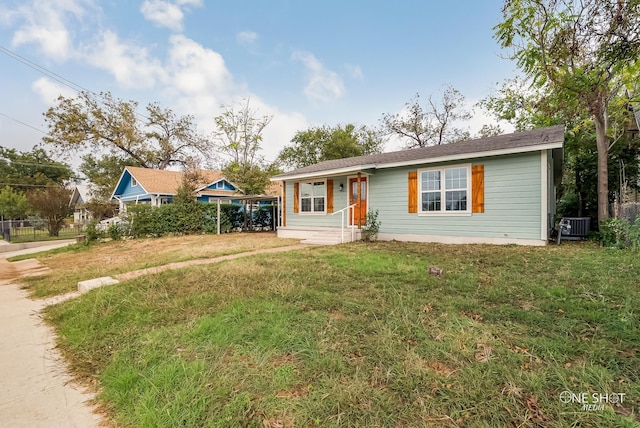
(306, 63)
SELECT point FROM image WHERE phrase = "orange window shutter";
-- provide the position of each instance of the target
(477, 188)
(413, 192)
(296, 196)
(329, 196)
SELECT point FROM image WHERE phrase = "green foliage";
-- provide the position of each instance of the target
(239, 135)
(91, 231)
(13, 204)
(24, 170)
(620, 233)
(325, 143)
(102, 123)
(371, 226)
(51, 203)
(116, 231)
(103, 173)
(583, 54)
(251, 178)
(176, 219)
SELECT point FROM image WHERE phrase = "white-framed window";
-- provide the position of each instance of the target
(134, 182)
(313, 196)
(445, 190)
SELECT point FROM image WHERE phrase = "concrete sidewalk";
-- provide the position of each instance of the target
(34, 387)
(9, 250)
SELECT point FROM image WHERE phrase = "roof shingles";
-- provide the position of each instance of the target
(519, 140)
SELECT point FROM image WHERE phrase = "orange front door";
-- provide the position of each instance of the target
(358, 197)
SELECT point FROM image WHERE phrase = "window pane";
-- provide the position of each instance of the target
(431, 180)
(318, 188)
(363, 190)
(318, 204)
(354, 191)
(305, 205)
(455, 178)
(456, 200)
(306, 190)
(431, 201)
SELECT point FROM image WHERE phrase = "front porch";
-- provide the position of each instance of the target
(321, 235)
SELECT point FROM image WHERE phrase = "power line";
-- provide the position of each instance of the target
(23, 123)
(42, 70)
(66, 82)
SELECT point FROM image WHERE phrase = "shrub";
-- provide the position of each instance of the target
(371, 226)
(177, 219)
(620, 233)
(91, 231)
(116, 231)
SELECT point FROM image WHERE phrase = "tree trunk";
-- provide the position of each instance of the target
(602, 142)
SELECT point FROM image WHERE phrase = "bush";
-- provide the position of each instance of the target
(177, 219)
(371, 226)
(620, 233)
(91, 231)
(116, 231)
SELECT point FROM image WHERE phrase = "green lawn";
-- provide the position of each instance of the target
(361, 335)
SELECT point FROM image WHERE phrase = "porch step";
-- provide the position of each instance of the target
(328, 237)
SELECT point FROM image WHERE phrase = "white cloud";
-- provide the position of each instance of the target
(247, 38)
(355, 71)
(131, 65)
(163, 14)
(49, 91)
(46, 24)
(322, 84)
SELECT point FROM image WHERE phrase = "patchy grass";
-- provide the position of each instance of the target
(80, 262)
(361, 335)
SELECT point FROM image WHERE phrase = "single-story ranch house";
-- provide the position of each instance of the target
(499, 190)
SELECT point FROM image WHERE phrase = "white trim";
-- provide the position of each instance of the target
(327, 173)
(544, 198)
(411, 237)
(324, 212)
(462, 156)
(443, 191)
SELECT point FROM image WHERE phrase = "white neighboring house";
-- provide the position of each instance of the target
(80, 196)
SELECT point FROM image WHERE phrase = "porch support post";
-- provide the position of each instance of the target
(218, 218)
(359, 201)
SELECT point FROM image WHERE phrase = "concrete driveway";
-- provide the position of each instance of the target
(35, 390)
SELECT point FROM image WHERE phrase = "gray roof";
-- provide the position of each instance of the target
(537, 139)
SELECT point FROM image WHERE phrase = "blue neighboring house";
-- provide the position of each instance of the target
(157, 187)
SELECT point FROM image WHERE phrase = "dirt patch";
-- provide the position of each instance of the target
(12, 271)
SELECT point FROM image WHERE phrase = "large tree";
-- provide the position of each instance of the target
(101, 124)
(26, 170)
(322, 143)
(13, 204)
(52, 204)
(434, 124)
(239, 137)
(585, 53)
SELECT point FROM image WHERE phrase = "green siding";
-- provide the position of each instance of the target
(340, 200)
(512, 202)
